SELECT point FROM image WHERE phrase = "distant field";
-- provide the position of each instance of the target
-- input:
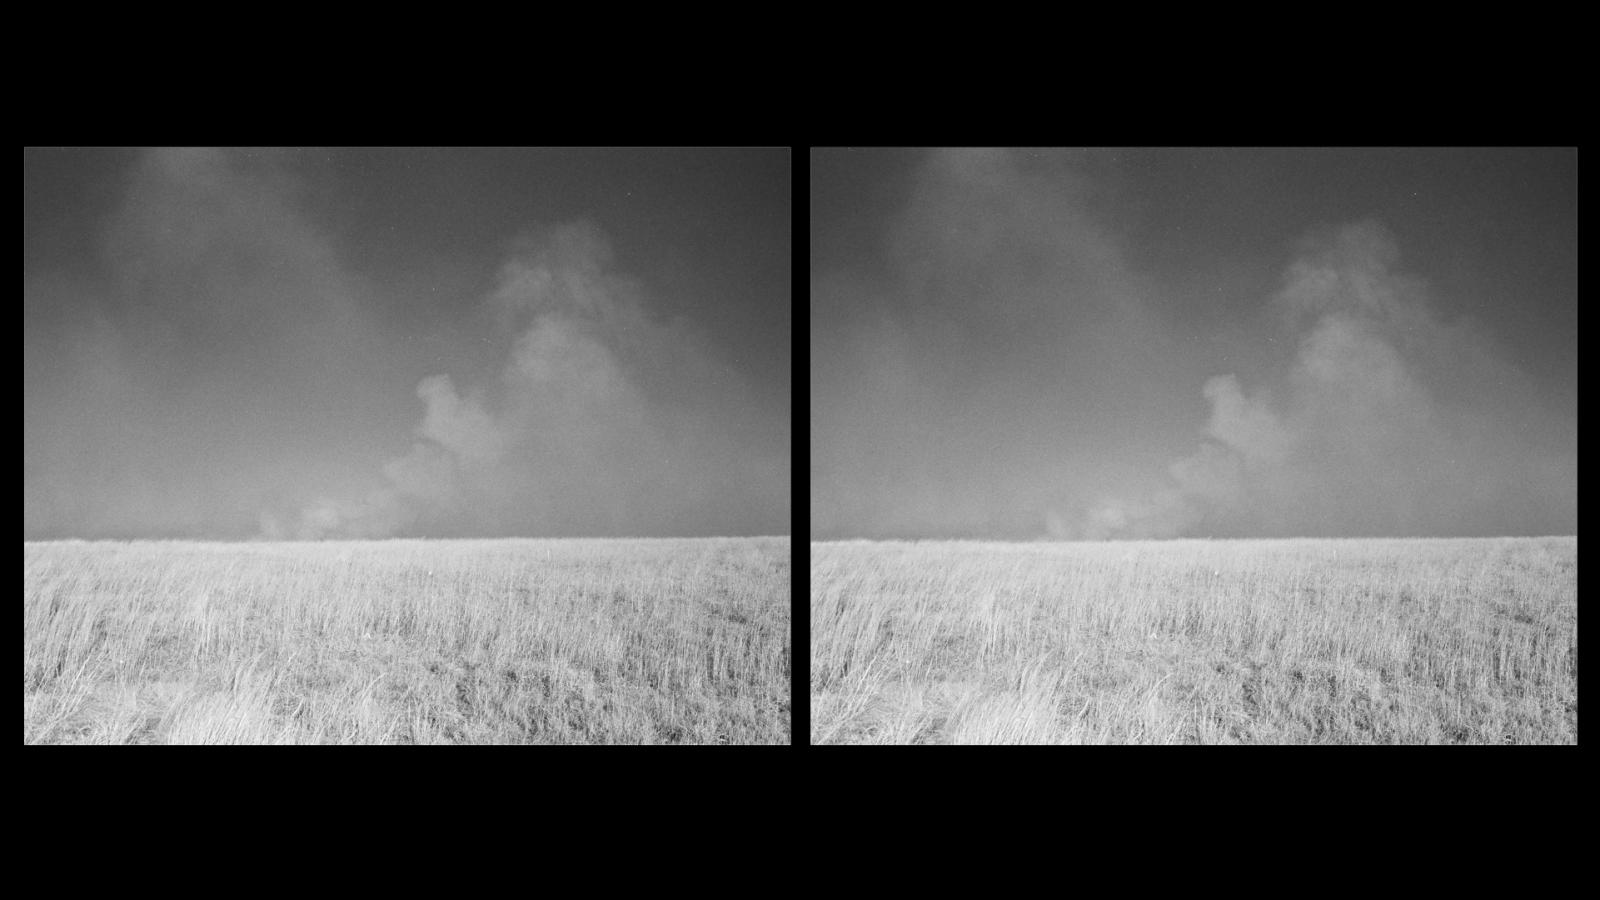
(407, 642)
(1196, 642)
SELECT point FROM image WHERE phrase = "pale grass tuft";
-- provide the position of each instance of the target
(512, 641)
(1373, 641)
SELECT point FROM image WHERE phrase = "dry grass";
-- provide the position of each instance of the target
(1196, 642)
(511, 641)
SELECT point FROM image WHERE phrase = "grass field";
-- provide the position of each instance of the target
(1195, 642)
(402, 642)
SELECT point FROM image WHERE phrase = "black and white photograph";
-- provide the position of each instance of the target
(1103, 445)
(407, 445)
(1193, 446)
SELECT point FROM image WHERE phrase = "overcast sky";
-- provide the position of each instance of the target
(1161, 343)
(366, 343)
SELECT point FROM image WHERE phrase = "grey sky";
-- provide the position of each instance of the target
(1155, 343)
(327, 343)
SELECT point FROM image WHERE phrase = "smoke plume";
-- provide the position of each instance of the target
(1023, 345)
(1356, 439)
(237, 343)
(603, 420)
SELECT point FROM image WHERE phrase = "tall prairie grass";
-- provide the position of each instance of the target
(398, 642)
(1195, 642)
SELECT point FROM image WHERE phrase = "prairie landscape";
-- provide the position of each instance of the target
(407, 642)
(1355, 641)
